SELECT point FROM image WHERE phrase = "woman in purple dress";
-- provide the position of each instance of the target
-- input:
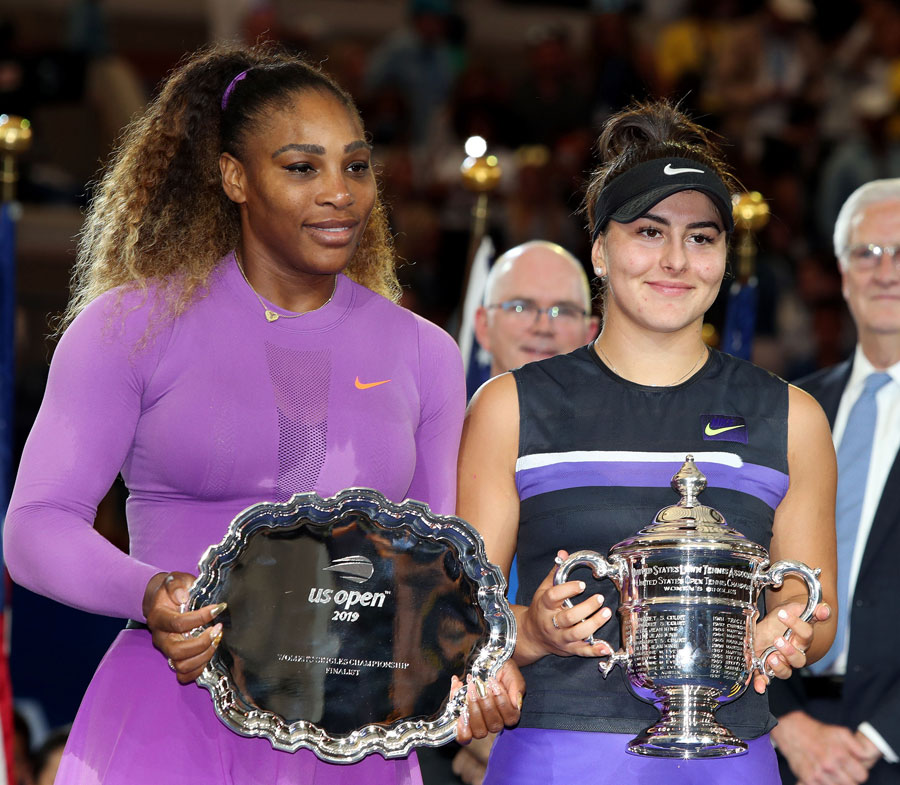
(577, 451)
(231, 338)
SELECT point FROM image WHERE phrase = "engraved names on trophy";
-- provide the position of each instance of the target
(728, 660)
(672, 644)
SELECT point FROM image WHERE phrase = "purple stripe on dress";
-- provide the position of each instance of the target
(538, 756)
(768, 485)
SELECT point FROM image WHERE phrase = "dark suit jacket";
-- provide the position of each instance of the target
(872, 684)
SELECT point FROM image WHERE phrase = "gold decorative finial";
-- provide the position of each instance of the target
(750, 210)
(481, 174)
(751, 213)
(15, 138)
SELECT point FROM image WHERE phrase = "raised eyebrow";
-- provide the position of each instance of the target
(312, 149)
(695, 225)
(657, 218)
(705, 225)
(359, 144)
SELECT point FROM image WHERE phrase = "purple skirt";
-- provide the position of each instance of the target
(138, 726)
(537, 756)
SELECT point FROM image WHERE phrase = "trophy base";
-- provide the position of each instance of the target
(687, 728)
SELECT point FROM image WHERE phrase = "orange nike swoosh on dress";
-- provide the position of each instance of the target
(366, 385)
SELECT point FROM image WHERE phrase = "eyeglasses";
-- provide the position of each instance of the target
(528, 310)
(868, 256)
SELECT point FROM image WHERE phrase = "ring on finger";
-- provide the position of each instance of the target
(555, 623)
(171, 664)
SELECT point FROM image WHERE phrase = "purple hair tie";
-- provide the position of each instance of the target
(230, 89)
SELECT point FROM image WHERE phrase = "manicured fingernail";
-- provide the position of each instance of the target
(495, 687)
(470, 692)
(599, 599)
(581, 586)
(216, 635)
(557, 560)
(519, 701)
(782, 614)
(217, 609)
(465, 716)
(779, 642)
(605, 613)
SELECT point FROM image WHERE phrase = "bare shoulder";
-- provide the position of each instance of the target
(492, 418)
(806, 418)
(486, 491)
(496, 394)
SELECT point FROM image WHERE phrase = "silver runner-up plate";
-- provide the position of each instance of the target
(346, 619)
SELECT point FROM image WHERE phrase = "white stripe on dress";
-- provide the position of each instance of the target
(624, 456)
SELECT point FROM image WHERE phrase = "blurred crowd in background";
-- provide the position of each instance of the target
(804, 96)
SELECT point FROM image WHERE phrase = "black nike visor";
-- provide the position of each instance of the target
(630, 195)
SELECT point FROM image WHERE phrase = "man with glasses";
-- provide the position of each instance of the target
(537, 303)
(839, 721)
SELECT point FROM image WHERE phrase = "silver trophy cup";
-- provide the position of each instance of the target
(688, 589)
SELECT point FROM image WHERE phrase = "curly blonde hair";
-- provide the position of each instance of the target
(159, 215)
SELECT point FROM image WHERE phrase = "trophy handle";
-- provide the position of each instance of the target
(774, 576)
(602, 568)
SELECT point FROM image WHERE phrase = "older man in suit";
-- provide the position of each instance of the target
(839, 721)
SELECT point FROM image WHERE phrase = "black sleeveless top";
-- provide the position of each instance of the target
(596, 457)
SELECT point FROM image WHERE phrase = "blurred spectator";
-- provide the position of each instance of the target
(622, 69)
(872, 153)
(536, 205)
(550, 98)
(411, 74)
(23, 764)
(48, 757)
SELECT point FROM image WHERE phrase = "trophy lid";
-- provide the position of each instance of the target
(689, 523)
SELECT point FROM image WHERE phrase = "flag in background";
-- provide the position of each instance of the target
(7, 371)
(475, 360)
(740, 319)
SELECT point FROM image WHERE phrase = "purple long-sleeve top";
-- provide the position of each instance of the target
(217, 410)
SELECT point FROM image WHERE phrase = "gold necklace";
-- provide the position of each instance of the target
(273, 316)
(615, 370)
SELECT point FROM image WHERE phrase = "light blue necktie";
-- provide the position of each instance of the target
(853, 457)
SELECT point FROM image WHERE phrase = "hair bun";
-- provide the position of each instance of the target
(651, 125)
